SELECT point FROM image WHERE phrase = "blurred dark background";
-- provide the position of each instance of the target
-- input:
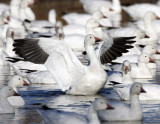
(64, 6)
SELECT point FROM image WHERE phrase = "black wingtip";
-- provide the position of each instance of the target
(45, 107)
(115, 83)
(26, 20)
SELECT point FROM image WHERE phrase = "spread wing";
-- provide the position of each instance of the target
(59, 59)
(112, 48)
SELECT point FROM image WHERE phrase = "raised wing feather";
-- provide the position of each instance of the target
(112, 48)
(56, 56)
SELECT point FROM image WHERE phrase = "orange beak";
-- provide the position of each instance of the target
(25, 83)
(16, 94)
(97, 39)
(110, 9)
(109, 106)
(151, 60)
(157, 52)
(146, 36)
(157, 17)
(142, 90)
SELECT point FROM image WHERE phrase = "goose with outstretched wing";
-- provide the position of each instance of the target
(72, 76)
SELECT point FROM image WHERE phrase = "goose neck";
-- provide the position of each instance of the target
(117, 5)
(92, 56)
(135, 104)
(92, 116)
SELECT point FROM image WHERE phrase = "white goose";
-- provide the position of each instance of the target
(25, 11)
(141, 70)
(91, 6)
(123, 77)
(50, 115)
(141, 9)
(153, 36)
(149, 49)
(8, 48)
(77, 79)
(14, 82)
(152, 91)
(5, 106)
(123, 111)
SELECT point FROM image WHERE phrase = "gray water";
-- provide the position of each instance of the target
(51, 95)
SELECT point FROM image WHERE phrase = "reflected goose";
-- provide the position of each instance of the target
(50, 115)
(14, 82)
(123, 111)
(72, 77)
(5, 106)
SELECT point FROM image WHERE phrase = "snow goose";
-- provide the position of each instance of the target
(73, 18)
(149, 49)
(124, 77)
(8, 48)
(153, 36)
(5, 106)
(14, 7)
(91, 6)
(141, 9)
(93, 27)
(152, 91)
(132, 112)
(25, 11)
(141, 70)
(61, 62)
(51, 115)
(14, 82)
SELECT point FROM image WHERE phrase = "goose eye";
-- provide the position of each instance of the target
(90, 37)
(19, 79)
(10, 89)
(145, 56)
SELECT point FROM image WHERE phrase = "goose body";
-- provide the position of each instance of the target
(132, 112)
(14, 82)
(152, 92)
(5, 106)
(77, 78)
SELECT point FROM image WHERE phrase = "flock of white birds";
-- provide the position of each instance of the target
(46, 52)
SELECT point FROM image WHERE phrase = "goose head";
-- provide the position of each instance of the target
(97, 15)
(150, 49)
(101, 104)
(10, 32)
(106, 10)
(7, 91)
(17, 81)
(137, 88)
(59, 25)
(91, 40)
(92, 23)
(145, 58)
(60, 34)
(6, 16)
(25, 4)
(126, 67)
(150, 15)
